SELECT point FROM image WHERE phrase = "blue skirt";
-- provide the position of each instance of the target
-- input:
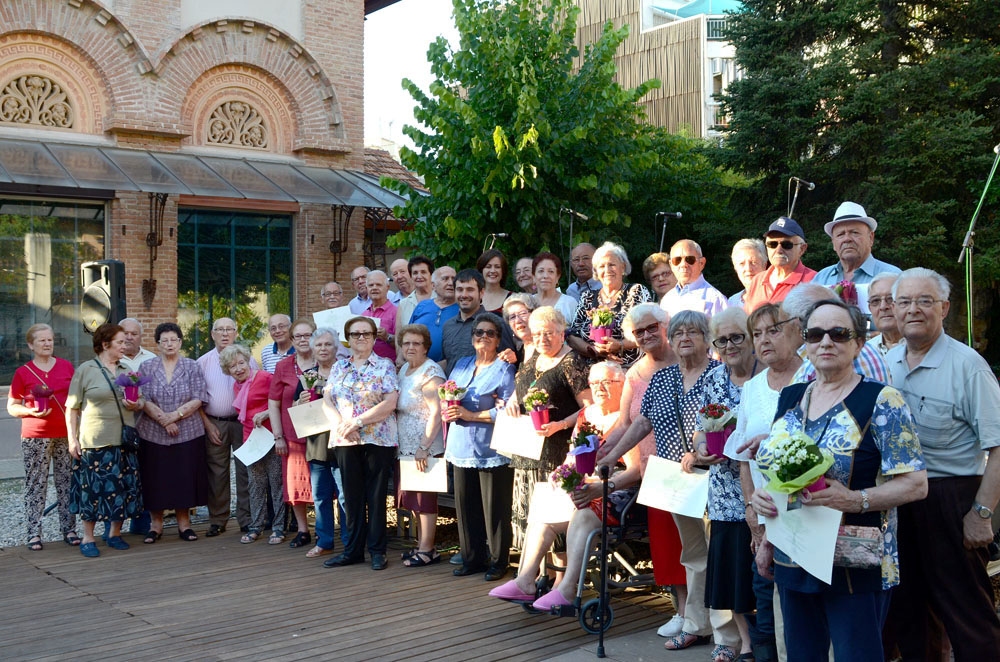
(105, 485)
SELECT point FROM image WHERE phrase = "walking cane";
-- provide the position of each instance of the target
(603, 598)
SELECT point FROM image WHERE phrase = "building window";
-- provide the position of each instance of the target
(42, 244)
(231, 264)
(33, 99)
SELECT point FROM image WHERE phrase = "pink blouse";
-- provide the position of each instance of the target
(260, 385)
(647, 446)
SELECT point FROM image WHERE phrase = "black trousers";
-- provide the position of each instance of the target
(365, 471)
(483, 502)
(937, 573)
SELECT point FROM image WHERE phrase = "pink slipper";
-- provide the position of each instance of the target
(510, 591)
(551, 599)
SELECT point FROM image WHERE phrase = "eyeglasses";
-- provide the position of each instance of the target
(165, 341)
(690, 259)
(522, 315)
(838, 334)
(302, 336)
(786, 244)
(604, 383)
(687, 333)
(329, 295)
(773, 331)
(547, 334)
(878, 302)
(488, 333)
(360, 335)
(225, 329)
(922, 302)
(650, 330)
(737, 340)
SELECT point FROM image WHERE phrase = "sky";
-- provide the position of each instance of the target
(396, 41)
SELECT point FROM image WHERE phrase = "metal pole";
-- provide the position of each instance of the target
(967, 246)
(602, 603)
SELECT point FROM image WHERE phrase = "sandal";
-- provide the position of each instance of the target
(275, 539)
(35, 544)
(318, 551)
(152, 537)
(301, 539)
(684, 640)
(408, 553)
(723, 654)
(249, 537)
(72, 539)
(419, 559)
(187, 534)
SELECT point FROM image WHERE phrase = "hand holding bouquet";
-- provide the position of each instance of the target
(602, 321)
(718, 422)
(569, 479)
(847, 292)
(41, 394)
(314, 383)
(797, 463)
(450, 394)
(585, 444)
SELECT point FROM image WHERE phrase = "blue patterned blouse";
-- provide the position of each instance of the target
(725, 498)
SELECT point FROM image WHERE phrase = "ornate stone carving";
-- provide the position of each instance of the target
(33, 99)
(237, 123)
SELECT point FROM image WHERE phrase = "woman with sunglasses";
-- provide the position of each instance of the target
(361, 393)
(877, 466)
(483, 478)
(728, 580)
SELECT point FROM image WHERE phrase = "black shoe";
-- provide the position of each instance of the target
(301, 539)
(214, 530)
(496, 572)
(338, 561)
(378, 562)
(467, 570)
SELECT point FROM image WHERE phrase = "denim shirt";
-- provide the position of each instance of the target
(468, 443)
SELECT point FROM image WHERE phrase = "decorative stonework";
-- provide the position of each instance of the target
(33, 99)
(237, 123)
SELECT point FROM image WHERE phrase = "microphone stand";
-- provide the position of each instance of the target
(967, 248)
(795, 198)
(663, 233)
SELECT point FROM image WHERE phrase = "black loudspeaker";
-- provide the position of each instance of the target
(103, 298)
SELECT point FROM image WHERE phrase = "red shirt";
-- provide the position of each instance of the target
(386, 314)
(283, 386)
(58, 378)
(760, 291)
(259, 386)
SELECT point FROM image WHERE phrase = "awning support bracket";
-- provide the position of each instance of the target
(154, 239)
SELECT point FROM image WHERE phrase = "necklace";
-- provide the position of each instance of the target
(45, 371)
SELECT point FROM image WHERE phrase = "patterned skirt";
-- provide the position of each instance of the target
(105, 485)
(297, 484)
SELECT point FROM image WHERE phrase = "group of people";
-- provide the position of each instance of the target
(910, 416)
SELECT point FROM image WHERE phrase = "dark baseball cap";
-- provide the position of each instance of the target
(786, 226)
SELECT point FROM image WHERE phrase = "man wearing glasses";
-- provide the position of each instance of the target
(332, 294)
(434, 312)
(786, 244)
(279, 326)
(692, 291)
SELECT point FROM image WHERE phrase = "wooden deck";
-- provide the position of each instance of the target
(216, 599)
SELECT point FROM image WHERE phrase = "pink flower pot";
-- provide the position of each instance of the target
(41, 404)
(132, 393)
(585, 462)
(600, 333)
(716, 441)
(539, 417)
(817, 485)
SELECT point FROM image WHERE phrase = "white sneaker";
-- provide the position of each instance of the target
(673, 627)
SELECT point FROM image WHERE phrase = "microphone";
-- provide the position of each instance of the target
(575, 213)
(996, 150)
(669, 214)
(809, 185)
(501, 235)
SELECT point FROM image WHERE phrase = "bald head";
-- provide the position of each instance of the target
(399, 270)
(686, 261)
(224, 332)
(378, 287)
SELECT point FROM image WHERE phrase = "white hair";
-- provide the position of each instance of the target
(942, 284)
(133, 320)
(611, 248)
(434, 275)
(801, 298)
(752, 245)
(547, 315)
(731, 315)
(378, 272)
(612, 367)
(640, 311)
(332, 282)
(323, 331)
(883, 276)
(688, 242)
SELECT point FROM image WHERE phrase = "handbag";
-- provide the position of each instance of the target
(130, 436)
(858, 547)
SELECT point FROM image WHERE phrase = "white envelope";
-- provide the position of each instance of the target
(550, 505)
(516, 436)
(412, 479)
(309, 419)
(666, 487)
(336, 318)
(260, 441)
(807, 534)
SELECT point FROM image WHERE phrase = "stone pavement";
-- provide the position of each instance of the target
(642, 646)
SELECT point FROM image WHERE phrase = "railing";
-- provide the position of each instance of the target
(717, 119)
(716, 28)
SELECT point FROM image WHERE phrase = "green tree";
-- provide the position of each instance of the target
(893, 104)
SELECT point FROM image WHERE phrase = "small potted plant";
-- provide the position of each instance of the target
(569, 479)
(41, 394)
(585, 444)
(847, 292)
(314, 383)
(130, 382)
(718, 422)
(602, 322)
(796, 463)
(536, 401)
(450, 395)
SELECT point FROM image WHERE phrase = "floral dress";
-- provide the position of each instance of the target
(630, 297)
(725, 498)
(412, 411)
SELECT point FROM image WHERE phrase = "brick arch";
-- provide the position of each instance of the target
(276, 58)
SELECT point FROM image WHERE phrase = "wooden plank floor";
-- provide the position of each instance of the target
(216, 599)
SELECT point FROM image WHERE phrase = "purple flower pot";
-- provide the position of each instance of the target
(585, 462)
(41, 404)
(539, 417)
(132, 393)
(716, 441)
(600, 333)
(817, 485)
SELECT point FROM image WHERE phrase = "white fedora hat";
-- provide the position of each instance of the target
(850, 211)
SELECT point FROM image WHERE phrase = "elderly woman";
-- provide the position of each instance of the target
(483, 479)
(172, 437)
(606, 382)
(670, 410)
(516, 312)
(43, 432)
(562, 373)
(493, 266)
(251, 391)
(547, 270)
(290, 386)
(729, 580)
(877, 466)
(659, 275)
(418, 418)
(611, 265)
(361, 395)
(105, 484)
(749, 259)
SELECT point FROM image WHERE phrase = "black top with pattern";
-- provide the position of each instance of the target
(630, 297)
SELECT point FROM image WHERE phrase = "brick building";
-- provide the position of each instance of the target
(215, 148)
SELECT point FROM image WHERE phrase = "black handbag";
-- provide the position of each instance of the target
(130, 436)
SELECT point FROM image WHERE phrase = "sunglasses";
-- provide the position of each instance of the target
(737, 340)
(690, 259)
(838, 334)
(487, 333)
(786, 244)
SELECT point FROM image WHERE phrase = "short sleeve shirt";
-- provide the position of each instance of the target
(664, 398)
(57, 379)
(725, 497)
(355, 390)
(186, 384)
(100, 424)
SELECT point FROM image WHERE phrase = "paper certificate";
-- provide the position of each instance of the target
(256, 446)
(666, 487)
(516, 436)
(336, 318)
(412, 479)
(808, 534)
(309, 419)
(549, 505)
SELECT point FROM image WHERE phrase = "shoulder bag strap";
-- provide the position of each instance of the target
(42, 382)
(113, 392)
(685, 441)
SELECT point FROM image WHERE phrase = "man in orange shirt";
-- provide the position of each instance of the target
(786, 244)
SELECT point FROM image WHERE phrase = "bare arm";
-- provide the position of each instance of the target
(274, 414)
(608, 455)
(17, 409)
(979, 531)
(73, 430)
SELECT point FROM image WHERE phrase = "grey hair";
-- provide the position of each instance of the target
(332, 282)
(688, 318)
(944, 287)
(228, 356)
(755, 245)
(434, 274)
(610, 366)
(493, 319)
(688, 242)
(801, 297)
(548, 314)
(219, 319)
(731, 315)
(287, 318)
(611, 248)
(131, 319)
(525, 300)
(640, 311)
(378, 272)
(323, 331)
(883, 276)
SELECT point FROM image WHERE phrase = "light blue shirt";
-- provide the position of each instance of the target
(736, 301)
(575, 290)
(699, 296)
(468, 443)
(863, 275)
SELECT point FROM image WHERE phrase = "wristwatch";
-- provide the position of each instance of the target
(983, 511)
(865, 504)
(611, 486)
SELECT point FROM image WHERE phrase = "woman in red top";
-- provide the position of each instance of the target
(43, 432)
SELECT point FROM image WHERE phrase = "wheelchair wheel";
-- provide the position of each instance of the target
(591, 621)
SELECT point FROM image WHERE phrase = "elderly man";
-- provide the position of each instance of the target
(360, 302)
(279, 326)
(786, 244)
(332, 294)
(581, 260)
(456, 334)
(883, 313)
(692, 291)
(420, 269)
(749, 259)
(385, 312)
(955, 401)
(853, 233)
(434, 312)
(224, 433)
(399, 271)
(134, 355)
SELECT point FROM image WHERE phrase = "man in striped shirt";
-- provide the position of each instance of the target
(279, 326)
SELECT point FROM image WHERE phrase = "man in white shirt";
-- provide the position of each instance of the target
(134, 355)
(692, 291)
(581, 260)
(399, 271)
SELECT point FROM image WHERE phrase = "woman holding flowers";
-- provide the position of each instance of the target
(865, 429)
(172, 447)
(296, 381)
(38, 397)
(614, 299)
(483, 478)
